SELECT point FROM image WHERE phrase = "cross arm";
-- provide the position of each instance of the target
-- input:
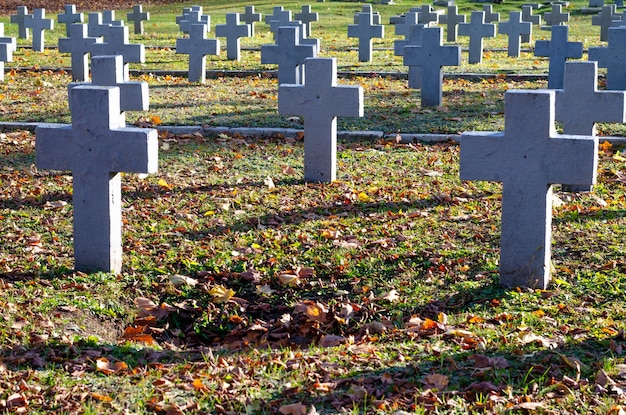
(581, 153)
(481, 157)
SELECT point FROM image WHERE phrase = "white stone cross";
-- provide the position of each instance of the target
(288, 54)
(116, 43)
(365, 31)
(555, 17)
(197, 46)
(579, 105)
(558, 49)
(452, 20)
(138, 16)
(306, 16)
(195, 16)
(528, 16)
(7, 47)
(320, 101)
(95, 149)
(303, 40)
(413, 38)
(428, 15)
(477, 29)
(109, 71)
(612, 57)
(69, 17)
(250, 17)
(278, 19)
(232, 31)
(7, 39)
(79, 45)
(515, 28)
(431, 55)
(528, 158)
(490, 15)
(38, 23)
(367, 9)
(605, 19)
(18, 19)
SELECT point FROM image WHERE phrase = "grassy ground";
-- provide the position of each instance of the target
(246, 290)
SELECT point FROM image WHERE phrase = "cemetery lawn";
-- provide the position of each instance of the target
(246, 290)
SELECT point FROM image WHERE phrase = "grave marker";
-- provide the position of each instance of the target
(280, 18)
(95, 28)
(109, 71)
(402, 28)
(7, 39)
(116, 43)
(611, 57)
(38, 23)
(108, 18)
(79, 45)
(320, 101)
(452, 20)
(250, 18)
(95, 149)
(515, 28)
(558, 49)
(555, 17)
(528, 158)
(232, 31)
(431, 56)
(605, 19)
(428, 15)
(365, 31)
(306, 16)
(414, 38)
(477, 29)
(288, 54)
(69, 17)
(528, 16)
(579, 105)
(367, 8)
(619, 21)
(7, 46)
(303, 40)
(194, 17)
(490, 15)
(18, 19)
(138, 16)
(197, 46)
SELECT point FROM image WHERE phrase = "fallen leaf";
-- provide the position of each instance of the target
(269, 183)
(290, 280)
(331, 340)
(221, 294)
(148, 308)
(392, 296)
(293, 409)
(313, 310)
(180, 280)
(105, 366)
(435, 381)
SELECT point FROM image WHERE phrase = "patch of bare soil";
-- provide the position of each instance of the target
(52, 6)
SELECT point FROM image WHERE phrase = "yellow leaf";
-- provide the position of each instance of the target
(363, 197)
(289, 280)
(156, 120)
(538, 313)
(164, 184)
(606, 146)
(221, 294)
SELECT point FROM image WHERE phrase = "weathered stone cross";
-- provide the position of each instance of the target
(18, 19)
(79, 45)
(288, 54)
(306, 16)
(96, 149)
(116, 43)
(138, 16)
(612, 57)
(477, 29)
(250, 17)
(605, 19)
(232, 31)
(528, 16)
(528, 158)
(452, 20)
(320, 100)
(38, 23)
(558, 49)
(366, 30)
(69, 17)
(197, 46)
(515, 28)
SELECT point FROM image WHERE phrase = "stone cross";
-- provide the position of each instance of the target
(431, 55)
(619, 21)
(451, 20)
(18, 19)
(303, 40)
(556, 17)
(288, 54)
(490, 15)
(429, 16)
(528, 16)
(232, 31)
(197, 46)
(605, 19)
(558, 49)
(402, 28)
(109, 71)
(528, 158)
(365, 31)
(320, 100)
(108, 18)
(306, 16)
(186, 11)
(579, 105)
(515, 28)
(116, 43)
(95, 149)
(278, 19)
(195, 16)
(38, 23)
(477, 29)
(7, 39)
(69, 17)
(79, 45)
(137, 17)
(7, 47)
(413, 38)
(250, 18)
(611, 57)
(367, 9)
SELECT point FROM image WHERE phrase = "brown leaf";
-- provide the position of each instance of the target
(483, 387)
(435, 381)
(293, 409)
(331, 340)
(148, 308)
(481, 361)
(105, 366)
(314, 311)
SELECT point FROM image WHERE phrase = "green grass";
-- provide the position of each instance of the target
(394, 302)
